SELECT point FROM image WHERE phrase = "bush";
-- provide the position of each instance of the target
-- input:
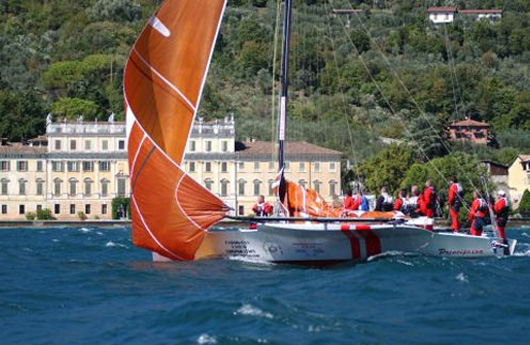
(31, 215)
(45, 214)
(82, 215)
(524, 205)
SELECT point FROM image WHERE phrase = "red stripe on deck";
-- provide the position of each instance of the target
(373, 243)
(354, 242)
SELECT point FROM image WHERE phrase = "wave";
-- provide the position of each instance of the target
(112, 244)
(206, 339)
(462, 277)
(250, 310)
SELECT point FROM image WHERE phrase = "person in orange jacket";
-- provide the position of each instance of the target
(262, 208)
(455, 198)
(502, 209)
(401, 201)
(348, 200)
(428, 200)
(477, 214)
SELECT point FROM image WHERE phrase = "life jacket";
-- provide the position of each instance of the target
(459, 195)
(504, 212)
(431, 204)
(388, 202)
(410, 205)
(482, 209)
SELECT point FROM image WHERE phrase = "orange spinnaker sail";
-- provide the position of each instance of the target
(163, 82)
(302, 202)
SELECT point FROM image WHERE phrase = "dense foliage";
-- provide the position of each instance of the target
(387, 72)
(524, 205)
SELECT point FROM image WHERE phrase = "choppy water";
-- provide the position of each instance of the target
(91, 286)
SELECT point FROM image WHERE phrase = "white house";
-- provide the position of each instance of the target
(489, 14)
(442, 15)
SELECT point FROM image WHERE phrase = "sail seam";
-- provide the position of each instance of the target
(133, 164)
(182, 209)
(158, 74)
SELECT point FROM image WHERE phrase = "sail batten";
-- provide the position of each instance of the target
(163, 83)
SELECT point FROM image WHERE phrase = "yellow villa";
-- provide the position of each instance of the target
(519, 178)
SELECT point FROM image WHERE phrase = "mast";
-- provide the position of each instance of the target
(283, 95)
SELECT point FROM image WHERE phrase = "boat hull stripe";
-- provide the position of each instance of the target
(354, 242)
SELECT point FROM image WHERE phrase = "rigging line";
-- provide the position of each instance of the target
(274, 63)
(422, 113)
(453, 77)
(341, 87)
(390, 106)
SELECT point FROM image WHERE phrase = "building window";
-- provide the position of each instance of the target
(105, 145)
(4, 165)
(88, 145)
(57, 208)
(73, 145)
(224, 146)
(301, 166)
(73, 187)
(192, 146)
(57, 187)
(287, 166)
(317, 167)
(224, 166)
(104, 187)
(22, 187)
(256, 166)
(104, 166)
(257, 187)
(208, 146)
(241, 187)
(72, 208)
(88, 166)
(57, 166)
(40, 165)
(191, 166)
(224, 188)
(4, 209)
(88, 209)
(302, 183)
(241, 210)
(208, 183)
(241, 166)
(104, 209)
(57, 145)
(73, 166)
(208, 167)
(39, 208)
(316, 186)
(121, 187)
(271, 166)
(332, 187)
(5, 186)
(271, 187)
(332, 166)
(121, 145)
(21, 209)
(22, 166)
(88, 186)
(40, 187)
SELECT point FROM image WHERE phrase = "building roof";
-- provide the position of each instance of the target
(39, 138)
(469, 123)
(15, 149)
(524, 158)
(481, 11)
(291, 148)
(442, 9)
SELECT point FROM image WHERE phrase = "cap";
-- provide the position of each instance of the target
(501, 193)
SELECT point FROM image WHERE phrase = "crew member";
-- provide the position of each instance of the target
(477, 214)
(361, 202)
(384, 202)
(502, 209)
(262, 208)
(401, 201)
(412, 207)
(455, 197)
(348, 200)
(428, 202)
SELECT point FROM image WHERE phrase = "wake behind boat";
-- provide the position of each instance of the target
(172, 213)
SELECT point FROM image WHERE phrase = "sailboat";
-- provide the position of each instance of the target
(173, 215)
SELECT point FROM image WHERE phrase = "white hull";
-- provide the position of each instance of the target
(326, 243)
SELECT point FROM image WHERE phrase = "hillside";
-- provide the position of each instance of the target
(388, 72)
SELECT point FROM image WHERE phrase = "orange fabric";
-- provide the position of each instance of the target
(303, 202)
(455, 225)
(475, 212)
(348, 203)
(163, 80)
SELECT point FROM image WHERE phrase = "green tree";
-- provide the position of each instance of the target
(71, 108)
(524, 204)
(22, 115)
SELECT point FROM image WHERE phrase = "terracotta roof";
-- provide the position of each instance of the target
(469, 123)
(291, 148)
(442, 9)
(478, 11)
(39, 138)
(19, 149)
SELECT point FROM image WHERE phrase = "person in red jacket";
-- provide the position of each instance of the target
(262, 208)
(502, 209)
(428, 200)
(401, 201)
(477, 214)
(455, 197)
(348, 200)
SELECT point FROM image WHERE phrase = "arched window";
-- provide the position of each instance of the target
(224, 187)
(72, 186)
(57, 186)
(333, 187)
(105, 187)
(241, 187)
(39, 183)
(22, 186)
(271, 187)
(208, 183)
(302, 183)
(88, 186)
(5, 186)
(317, 186)
(257, 187)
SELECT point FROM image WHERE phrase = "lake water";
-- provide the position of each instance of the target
(92, 286)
